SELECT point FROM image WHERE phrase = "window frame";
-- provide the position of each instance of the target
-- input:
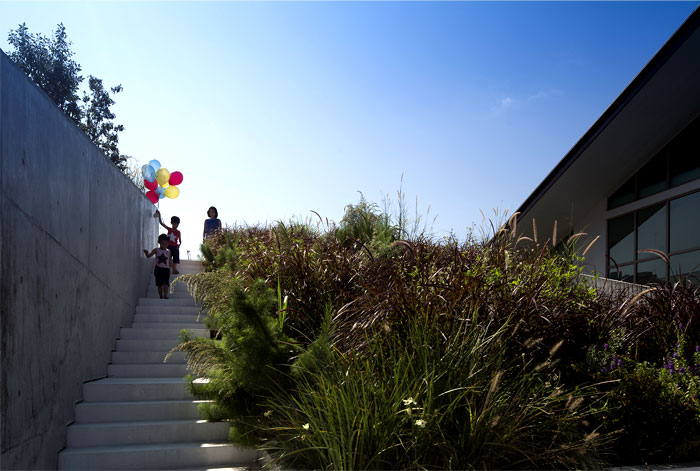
(610, 263)
(666, 153)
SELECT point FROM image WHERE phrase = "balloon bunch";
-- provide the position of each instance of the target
(160, 182)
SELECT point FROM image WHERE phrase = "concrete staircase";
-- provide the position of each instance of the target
(141, 416)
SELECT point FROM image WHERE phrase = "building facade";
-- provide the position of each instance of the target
(633, 180)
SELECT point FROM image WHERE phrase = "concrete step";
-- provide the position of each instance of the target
(176, 294)
(189, 265)
(184, 302)
(135, 389)
(131, 411)
(178, 291)
(161, 456)
(183, 271)
(192, 263)
(228, 468)
(187, 310)
(142, 345)
(132, 358)
(145, 432)
(173, 318)
(168, 325)
(153, 294)
(173, 288)
(187, 268)
(173, 278)
(163, 333)
(157, 370)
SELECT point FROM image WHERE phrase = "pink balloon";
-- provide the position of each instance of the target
(175, 178)
(153, 196)
(150, 185)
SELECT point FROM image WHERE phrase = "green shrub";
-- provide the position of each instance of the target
(656, 420)
(650, 347)
(237, 368)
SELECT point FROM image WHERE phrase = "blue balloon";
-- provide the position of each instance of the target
(148, 173)
(160, 190)
(155, 164)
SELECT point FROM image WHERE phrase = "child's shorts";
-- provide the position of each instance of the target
(162, 276)
(175, 251)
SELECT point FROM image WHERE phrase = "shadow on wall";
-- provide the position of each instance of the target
(71, 268)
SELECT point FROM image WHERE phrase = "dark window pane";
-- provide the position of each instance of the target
(685, 170)
(686, 265)
(685, 222)
(621, 239)
(651, 230)
(625, 273)
(651, 178)
(622, 196)
(685, 155)
(651, 271)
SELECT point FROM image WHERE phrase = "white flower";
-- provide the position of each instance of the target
(305, 426)
(268, 413)
(421, 423)
(409, 401)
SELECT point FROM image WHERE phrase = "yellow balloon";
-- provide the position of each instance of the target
(162, 176)
(171, 192)
(165, 185)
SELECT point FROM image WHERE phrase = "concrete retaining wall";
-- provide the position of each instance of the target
(610, 286)
(71, 267)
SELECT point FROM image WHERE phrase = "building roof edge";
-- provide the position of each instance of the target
(689, 26)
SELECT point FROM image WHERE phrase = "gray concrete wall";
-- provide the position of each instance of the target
(608, 286)
(594, 225)
(71, 267)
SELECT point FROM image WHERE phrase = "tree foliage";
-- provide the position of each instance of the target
(48, 62)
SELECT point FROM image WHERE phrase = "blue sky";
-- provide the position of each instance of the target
(273, 109)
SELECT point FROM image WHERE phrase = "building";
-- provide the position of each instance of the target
(634, 178)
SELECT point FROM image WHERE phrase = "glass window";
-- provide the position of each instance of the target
(622, 196)
(651, 178)
(651, 271)
(686, 169)
(685, 155)
(687, 265)
(651, 230)
(621, 239)
(625, 273)
(685, 222)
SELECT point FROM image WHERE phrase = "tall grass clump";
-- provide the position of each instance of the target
(446, 395)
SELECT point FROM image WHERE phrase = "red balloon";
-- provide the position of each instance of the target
(150, 185)
(175, 178)
(153, 196)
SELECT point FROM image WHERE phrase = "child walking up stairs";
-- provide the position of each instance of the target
(141, 416)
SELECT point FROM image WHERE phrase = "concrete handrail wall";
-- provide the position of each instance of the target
(610, 286)
(71, 267)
